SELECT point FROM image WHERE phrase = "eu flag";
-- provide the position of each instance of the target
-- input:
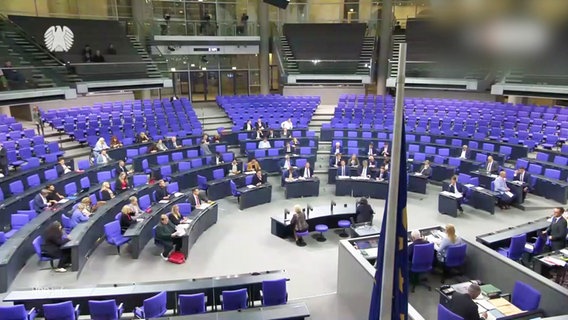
(400, 276)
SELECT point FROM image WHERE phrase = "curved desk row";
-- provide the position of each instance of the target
(22, 201)
(288, 311)
(274, 164)
(232, 137)
(221, 188)
(254, 195)
(245, 145)
(280, 225)
(517, 150)
(86, 236)
(361, 187)
(500, 238)
(23, 176)
(188, 179)
(152, 158)
(195, 162)
(16, 251)
(120, 153)
(133, 294)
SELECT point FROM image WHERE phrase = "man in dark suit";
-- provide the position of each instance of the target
(491, 166)
(335, 161)
(343, 170)
(523, 176)
(289, 173)
(364, 171)
(465, 153)
(371, 151)
(457, 189)
(258, 179)
(286, 162)
(61, 167)
(248, 126)
(364, 212)
(174, 144)
(416, 238)
(218, 159)
(386, 151)
(288, 149)
(425, 170)
(3, 160)
(162, 192)
(556, 231)
(40, 201)
(307, 171)
(259, 125)
(197, 198)
(337, 148)
(121, 167)
(462, 303)
(383, 174)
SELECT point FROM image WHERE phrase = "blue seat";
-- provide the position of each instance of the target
(153, 307)
(236, 193)
(202, 182)
(191, 304)
(114, 236)
(516, 249)
(422, 261)
(525, 297)
(33, 180)
(16, 187)
(105, 309)
(234, 299)
(139, 179)
(274, 292)
(61, 310)
(17, 312)
(455, 258)
(445, 314)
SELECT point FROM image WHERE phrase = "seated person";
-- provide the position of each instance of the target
(264, 144)
(248, 125)
(142, 138)
(416, 238)
(53, 196)
(153, 148)
(259, 125)
(165, 235)
(365, 171)
(299, 224)
(336, 160)
(258, 134)
(106, 192)
(121, 167)
(161, 146)
(385, 151)
(523, 176)
(307, 171)
(337, 148)
(386, 163)
(126, 218)
(234, 168)
(372, 162)
(258, 179)
(491, 166)
(286, 162)
(425, 170)
(364, 211)
(40, 202)
(253, 165)
(53, 240)
(98, 57)
(451, 239)
(371, 151)
(505, 195)
(100, 146)
(121, 183)
(162, 191)
(218, 159)
(463, 305)
(103, 158)
(290, 174)
(285, 133)
(197, 198)
(174, 144)
(465, 153)
(383, 174)
(61, 167)
(134, 207)
(354, 161)
(457, 189)
(115, 143)
(270, 134)
(288, 149)
(295, 143)
(78, 216)
(176, 217)
(343, 170)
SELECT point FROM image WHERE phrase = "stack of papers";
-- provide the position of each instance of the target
(164, 201)
(564, 252)
(202, 206)
(181, 230)
(64, 200)
(553, 261)
(178, 194)
(250, 186)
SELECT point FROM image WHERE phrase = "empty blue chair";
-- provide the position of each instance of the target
(144, 202)
(62, 310)
(66, 223)
(153, 307)
(480, 157)
(218, 174)
(85, 183)
(177, 156)
(103, 176)
(516, 249)
(455, 258)
(172, 187)
(300, 163)
(274, 292)
(114, 236)
(16, 187)
(184, 209)
(535, 169)
(196, 163)
(70, 189)
(17, 312)
(83, 164)
(191, 303)
(202, 182)
(422, 261)
(139, 179)
(445, 314)
(105, 309)
(30, 213)
(33, 180)
(552, 173)
(525, 297)
(166, 172)
(234, 299)
(17, 221)
(162, 159)
(192, 153)
(234, 191)
(185, 166)
(536, 247)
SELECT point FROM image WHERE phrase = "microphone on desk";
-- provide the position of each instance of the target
(333, 204)
(309, 208)
(286, 213)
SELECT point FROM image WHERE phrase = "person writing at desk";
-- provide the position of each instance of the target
(253, 165)
(425, 170)
(556, 231)
(336, 161)
(162, 192)
(364, 171)
(122, 183)
(106, 192)
(383, 174)
(234, 168)
(524, 177)
(463, 305)
(78, 216)
(457, 189)
(491, 166)
(134, 206)
(416, 238)
(176, 217)
(53, 196)
(465, 153)
(53, 239)
(286, 163)
(451, 239)
(40, 201)
(61, 167)
(290, 174)
(353, 161)
(307, 171)
(165, 234)
(197, 199)
(299, 224)
(505, 195)
(258, 179)
(343, 171)
(364, 212)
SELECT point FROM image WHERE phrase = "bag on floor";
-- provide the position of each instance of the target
(176, 257)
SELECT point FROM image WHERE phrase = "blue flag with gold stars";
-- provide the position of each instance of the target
(400, 276)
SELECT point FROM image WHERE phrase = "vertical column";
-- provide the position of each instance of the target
(264, 47)
(385, 47)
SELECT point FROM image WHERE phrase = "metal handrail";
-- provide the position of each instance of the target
(277, 48)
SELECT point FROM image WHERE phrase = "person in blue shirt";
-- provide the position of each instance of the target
(78, 216)
(500, 186)
(451, 239)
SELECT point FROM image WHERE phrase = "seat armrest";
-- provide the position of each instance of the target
(139, 313)
(120, 309)
(32, 313)
(77, 311)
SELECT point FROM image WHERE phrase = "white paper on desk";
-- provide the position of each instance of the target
(139, 219)
(493, 176)
(418, 174)
(564, 252)
(554, 261)
(490, 316)
(250, 186)
(485, 304)
(64, 200)
(202, 206)
(178, 194)
(529, 247)
(468, 185)
(250, 172)
(478, 188)
(180, 230)
(164, 201)
(510, 194)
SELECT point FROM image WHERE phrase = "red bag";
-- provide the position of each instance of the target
(176, 257)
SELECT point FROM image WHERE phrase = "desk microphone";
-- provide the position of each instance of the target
(308, 209)
(286, 213)
(333, 204)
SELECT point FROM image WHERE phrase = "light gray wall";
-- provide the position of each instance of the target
(87, 100)
(328, 94)
(442, 94)
(490, 267)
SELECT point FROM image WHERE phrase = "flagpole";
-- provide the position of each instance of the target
(390, 234)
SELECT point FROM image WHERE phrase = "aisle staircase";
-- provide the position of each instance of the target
(151, 68)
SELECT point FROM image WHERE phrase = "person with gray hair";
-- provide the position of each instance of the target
(463, 305)
(416, 238)
(299, 224)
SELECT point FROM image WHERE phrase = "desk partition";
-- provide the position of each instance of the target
(289, 311)
(24, 174)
